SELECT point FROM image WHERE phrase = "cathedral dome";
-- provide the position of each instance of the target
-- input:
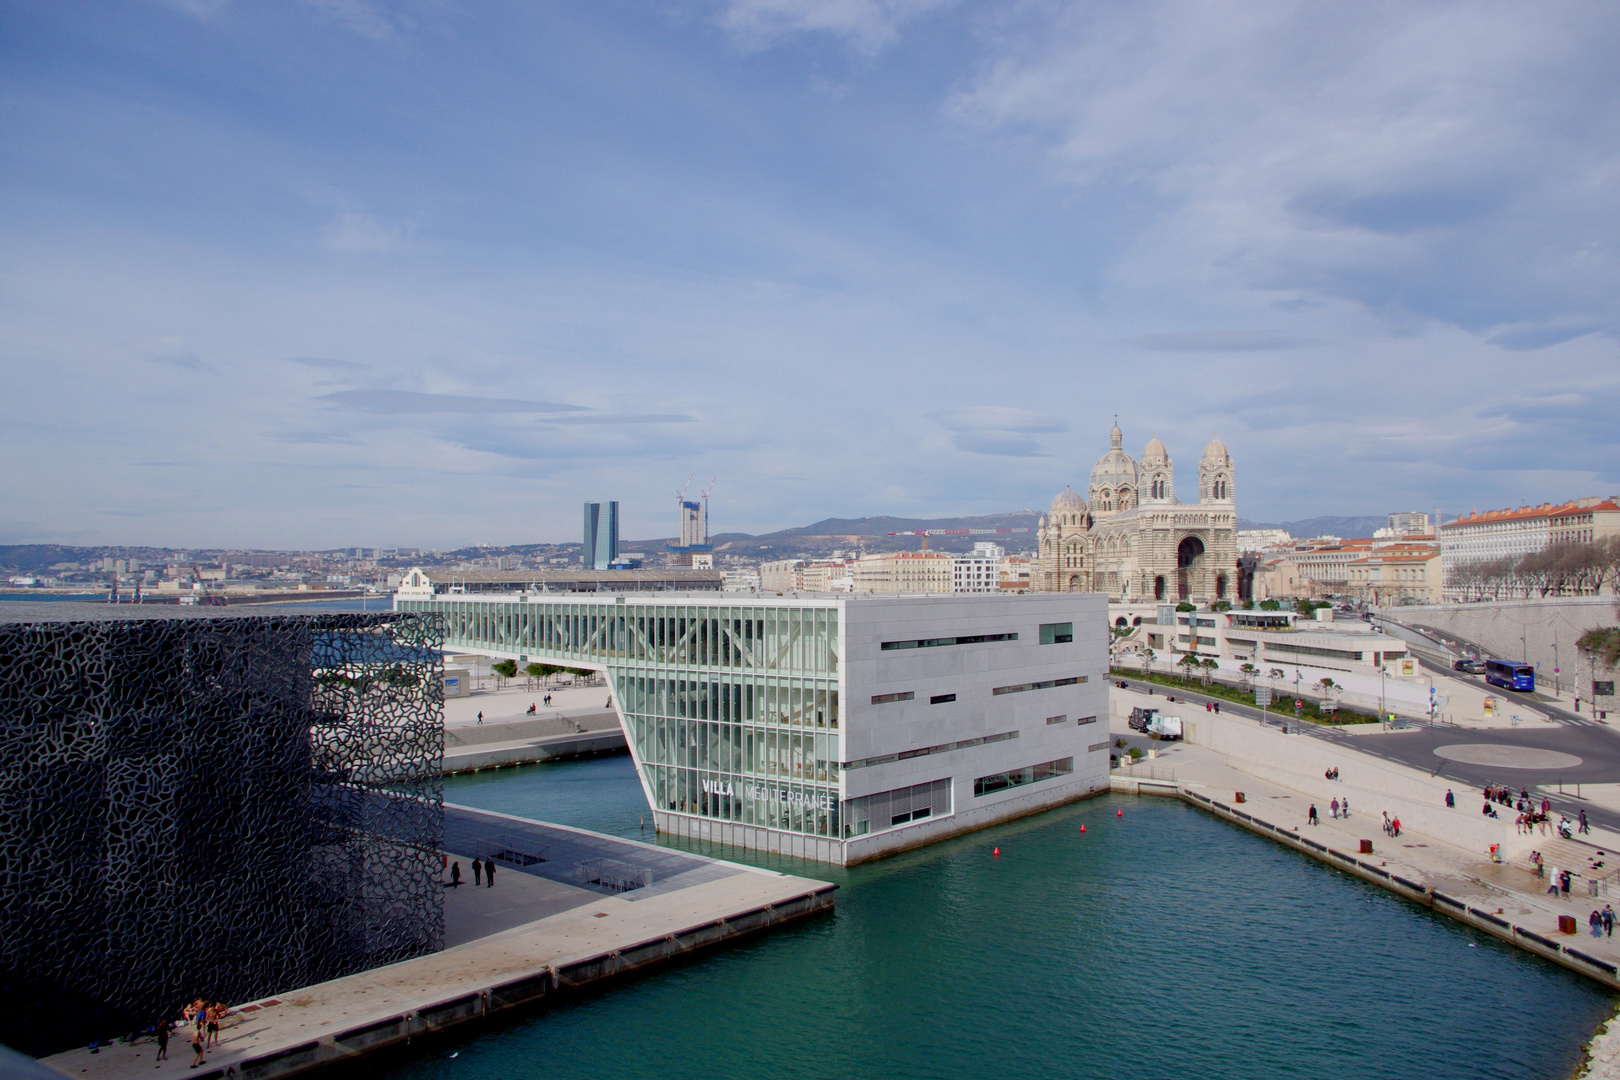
(1114, 470)
(1068, 501)
(1216, 451)
(1154, 451)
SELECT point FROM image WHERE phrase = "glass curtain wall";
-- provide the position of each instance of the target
(733, 710)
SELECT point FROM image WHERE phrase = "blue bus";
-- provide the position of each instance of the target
(1509, 675)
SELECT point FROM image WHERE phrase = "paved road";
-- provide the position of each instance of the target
(1595, 743)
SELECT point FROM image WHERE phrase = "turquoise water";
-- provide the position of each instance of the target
(1162, 944)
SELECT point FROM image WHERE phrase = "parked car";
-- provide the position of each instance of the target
(1140, 718)
(1469, 665)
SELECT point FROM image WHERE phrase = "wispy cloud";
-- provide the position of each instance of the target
(866, 25)
(407, 402)
(632, 418)
(1194, 341)
(327, 363)
(362, 234)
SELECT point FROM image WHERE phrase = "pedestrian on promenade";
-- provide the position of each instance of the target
(1552, 882)
(609, 704)
(1595, 921)
(1395, 827)
(455, 875)
(1344, 807)
(1386, 822)
(1217, 708)
(216, 1012)
(489, 873)
(163, 1041)
(1564, 878)
(1585, 828)
(1546, 806)
(1608, 920)
(1451, 800)
(478, 869)
(480, 716)
(1333, 808)
(1311, 816)
(197, 1049)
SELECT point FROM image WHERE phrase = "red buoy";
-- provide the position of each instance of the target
(1119, 813)
(1082, 828)
(998, 853)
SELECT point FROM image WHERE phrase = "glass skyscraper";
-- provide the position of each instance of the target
(601, 544)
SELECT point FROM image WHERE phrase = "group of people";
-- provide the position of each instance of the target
(1602, 922)
(1331, 774)
(204, 1018)
(1392, 825)
(1212, 706)
(483, 873)
(545, 700)
(1339, 808)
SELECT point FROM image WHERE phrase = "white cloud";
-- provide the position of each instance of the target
(866, 25)
(362, 233)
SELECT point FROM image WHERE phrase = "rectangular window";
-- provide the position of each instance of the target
(1086, 720)
(1060, 718)
(934, 643)
(884, 699)
(924, 751)
(1047, 685)
(941, 699)
(891, 809)
(1096, 746)
(1030, 774)
(1057, 633)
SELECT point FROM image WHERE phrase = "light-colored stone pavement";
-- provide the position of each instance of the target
(512, 703)
(592, 929)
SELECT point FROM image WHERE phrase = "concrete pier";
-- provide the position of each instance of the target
(468, 748)
(559, 917)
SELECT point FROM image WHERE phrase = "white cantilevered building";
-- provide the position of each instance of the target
(834, 728)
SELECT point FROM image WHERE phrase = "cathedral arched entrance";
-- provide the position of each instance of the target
(1189, 556)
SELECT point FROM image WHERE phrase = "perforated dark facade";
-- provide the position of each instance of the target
(222, 807)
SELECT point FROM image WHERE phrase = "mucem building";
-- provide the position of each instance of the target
(829, 728)
(209, 805)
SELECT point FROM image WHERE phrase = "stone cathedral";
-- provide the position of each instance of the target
(1134, 540)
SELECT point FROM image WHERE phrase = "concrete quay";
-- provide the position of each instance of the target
(523, 741)
(544, 930)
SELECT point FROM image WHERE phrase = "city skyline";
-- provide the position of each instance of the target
(293, 277)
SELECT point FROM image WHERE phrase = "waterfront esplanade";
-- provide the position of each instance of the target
(828, 728)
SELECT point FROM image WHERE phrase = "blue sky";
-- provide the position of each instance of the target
(429, 273)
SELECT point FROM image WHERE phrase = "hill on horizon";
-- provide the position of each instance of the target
(1345, 527)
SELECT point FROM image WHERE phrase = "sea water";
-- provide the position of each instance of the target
(1164, 943)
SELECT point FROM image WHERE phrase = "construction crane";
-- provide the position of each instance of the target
(926, 533)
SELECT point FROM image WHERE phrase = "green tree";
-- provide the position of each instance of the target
(1185, 606)
(1210, 666)
(1249, 672)
(536, 671)
(1148, 656)
(1190, 662)
(504, 669)
(1221, 605)
(1248, 605)
(1276, 673)
(1270, 605)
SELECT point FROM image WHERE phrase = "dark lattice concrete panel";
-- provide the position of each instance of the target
(220, 807)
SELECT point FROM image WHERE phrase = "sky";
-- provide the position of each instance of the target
(430, 273)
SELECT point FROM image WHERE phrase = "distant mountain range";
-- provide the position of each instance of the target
(1345, 527)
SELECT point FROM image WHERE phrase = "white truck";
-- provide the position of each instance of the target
(1165, 727)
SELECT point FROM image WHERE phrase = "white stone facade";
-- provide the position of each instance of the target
(1133, 540)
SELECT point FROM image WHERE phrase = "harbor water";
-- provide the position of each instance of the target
(1163, 943)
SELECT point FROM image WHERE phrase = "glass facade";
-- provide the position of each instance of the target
(732, 710)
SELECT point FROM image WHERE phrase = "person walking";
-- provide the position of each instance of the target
(215, 1012)
(1608, 921)
(197, 1049)
(1344, 807)
(1217, 708)
(489, 873)
(1395, 827)
(1451, 800)
(1595, 922)
(1585, 828)
(163, 1041)
(455, 875)
(1563, 883)
(1386, 822)
(1311, 816)
(478, 868)
(1333, 808)
(480, 716)
(1552, 882)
